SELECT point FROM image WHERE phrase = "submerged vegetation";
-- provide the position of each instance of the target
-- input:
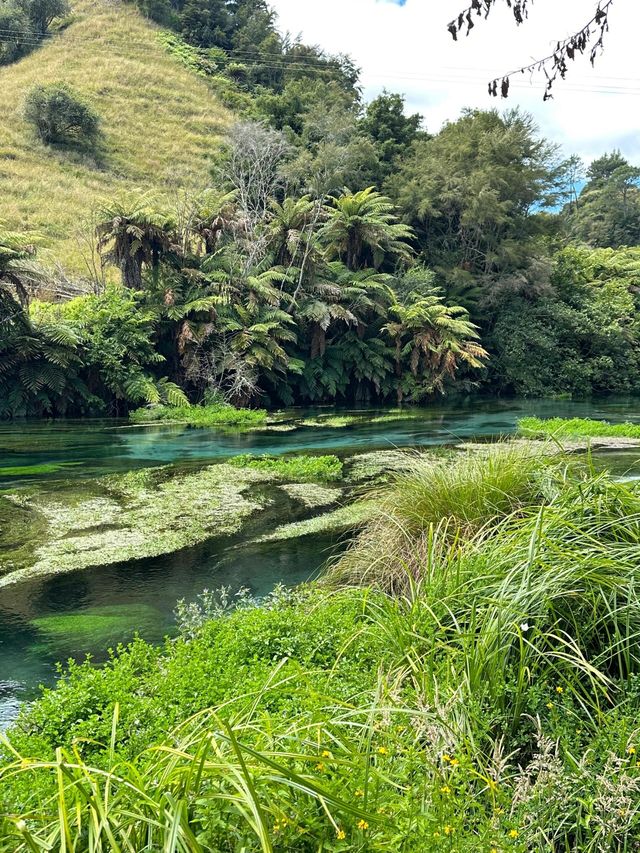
(479, 691)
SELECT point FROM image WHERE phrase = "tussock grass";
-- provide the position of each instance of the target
(161, 126)
(576, 428)
(456, 496)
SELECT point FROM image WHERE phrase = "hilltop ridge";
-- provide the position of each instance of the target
(161, 123)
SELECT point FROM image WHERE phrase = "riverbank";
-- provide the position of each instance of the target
(474, 687)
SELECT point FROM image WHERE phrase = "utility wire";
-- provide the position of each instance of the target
(592, 85)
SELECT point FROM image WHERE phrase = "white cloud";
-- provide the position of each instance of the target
(408, 49)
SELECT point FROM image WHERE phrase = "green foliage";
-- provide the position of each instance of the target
(493, 703)
(607, 212)
(207, 415)
(24, 23)
(560, 428)
(579, 335)
(116, 347)
(295, 469)
(60, 117)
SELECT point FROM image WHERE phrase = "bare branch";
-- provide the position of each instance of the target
(589, 37)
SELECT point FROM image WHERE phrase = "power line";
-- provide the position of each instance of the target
(592, 85)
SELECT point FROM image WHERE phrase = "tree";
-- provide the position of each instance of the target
(607, 213)
(474, 193)
(433, 340)
(362, 229)
(391, 131)
(60, 116)
(18, 272)
(15, 32)
(589, 37)
(42, 13)
(133, 232)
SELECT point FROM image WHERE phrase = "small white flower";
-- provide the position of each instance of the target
(524, 627)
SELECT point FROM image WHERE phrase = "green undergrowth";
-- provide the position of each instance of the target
(217, 414)
(297, 469)
(488, 702)
(576, 428)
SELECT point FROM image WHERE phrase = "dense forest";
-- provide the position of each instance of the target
(341, 251)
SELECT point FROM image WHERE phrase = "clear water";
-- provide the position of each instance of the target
(144, 592)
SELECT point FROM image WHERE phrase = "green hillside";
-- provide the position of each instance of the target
(160, 126)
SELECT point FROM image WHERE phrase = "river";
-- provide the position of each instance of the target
(141, 594)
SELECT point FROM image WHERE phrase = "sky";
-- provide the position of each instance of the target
(404, 46)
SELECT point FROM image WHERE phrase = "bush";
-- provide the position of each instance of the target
(60, 117)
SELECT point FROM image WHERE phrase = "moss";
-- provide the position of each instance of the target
(577, 428)
(340, 520)
(344, 421)
(370, 466)
(32, 470)
(218, 414)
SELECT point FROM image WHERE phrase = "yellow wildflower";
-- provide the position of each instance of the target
(494, 850)
(362, 824)
(341, 834)
(559, 689)
(448, 830)
(359, 792)
(454, 762)
(549, 705)
(632, 750)
(326, 754)
(446, 758)
(382, 750)
(445, 789)
(513, 833)
(320, 766)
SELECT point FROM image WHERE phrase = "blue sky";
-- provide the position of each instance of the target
(403, 45)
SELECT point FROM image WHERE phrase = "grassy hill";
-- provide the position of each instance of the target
(160, 122)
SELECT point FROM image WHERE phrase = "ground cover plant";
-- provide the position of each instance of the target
(207, 415)
(488, 702)
(295, 469)
(560, 428)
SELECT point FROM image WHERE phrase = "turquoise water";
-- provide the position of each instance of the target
(143, 593)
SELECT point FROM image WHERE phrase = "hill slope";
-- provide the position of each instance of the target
(160, 124)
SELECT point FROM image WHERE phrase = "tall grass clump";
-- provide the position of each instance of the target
(438, 501)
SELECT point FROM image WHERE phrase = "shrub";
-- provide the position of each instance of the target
(60, 117)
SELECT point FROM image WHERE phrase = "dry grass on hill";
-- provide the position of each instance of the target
(160, 126)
